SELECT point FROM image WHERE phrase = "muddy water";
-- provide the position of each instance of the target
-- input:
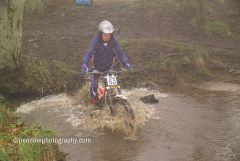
(202, 126)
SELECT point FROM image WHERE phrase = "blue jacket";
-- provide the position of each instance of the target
(102, 56)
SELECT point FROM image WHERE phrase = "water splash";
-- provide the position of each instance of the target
(74, 109)
(54, 101)
(95, 120)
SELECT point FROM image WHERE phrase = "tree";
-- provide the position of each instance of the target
(11, 14)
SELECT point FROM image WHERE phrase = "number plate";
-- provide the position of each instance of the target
(112, 80)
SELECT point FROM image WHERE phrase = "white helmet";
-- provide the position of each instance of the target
(106, 27)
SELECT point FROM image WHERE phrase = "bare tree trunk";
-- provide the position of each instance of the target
(11, 13)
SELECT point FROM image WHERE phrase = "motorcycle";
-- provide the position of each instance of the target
(109, 90)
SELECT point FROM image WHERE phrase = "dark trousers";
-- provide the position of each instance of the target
(94, 84)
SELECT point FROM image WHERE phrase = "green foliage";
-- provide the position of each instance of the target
(193, 57)
(4, 156)
(195, 12)
(3, 100)
(199, 59)
(12, 127)
(217, 28)
(43, 76)
(176, 59)
(123, 43)
(36, 76)
(33, 6)
(33, 151)
(206, 17)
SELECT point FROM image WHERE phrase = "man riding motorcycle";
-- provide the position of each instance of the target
(101, 54)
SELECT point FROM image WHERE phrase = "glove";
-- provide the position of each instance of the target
(128, 66)
(84, 68)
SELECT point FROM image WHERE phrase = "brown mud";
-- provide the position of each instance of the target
(161, 45)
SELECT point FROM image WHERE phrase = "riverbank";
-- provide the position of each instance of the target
(13, 130)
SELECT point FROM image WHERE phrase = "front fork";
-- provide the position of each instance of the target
(109, 100)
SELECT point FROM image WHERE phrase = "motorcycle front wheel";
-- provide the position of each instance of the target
(123, 109)
(123, 106)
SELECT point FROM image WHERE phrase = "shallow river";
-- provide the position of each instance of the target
(195, 126)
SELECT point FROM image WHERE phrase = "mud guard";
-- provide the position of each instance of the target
(121, 97)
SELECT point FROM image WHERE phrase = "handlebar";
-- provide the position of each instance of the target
(94, 71)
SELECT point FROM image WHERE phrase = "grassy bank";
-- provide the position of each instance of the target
(38, 77)
(11, 127)
(167, 62)
(206, 19)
